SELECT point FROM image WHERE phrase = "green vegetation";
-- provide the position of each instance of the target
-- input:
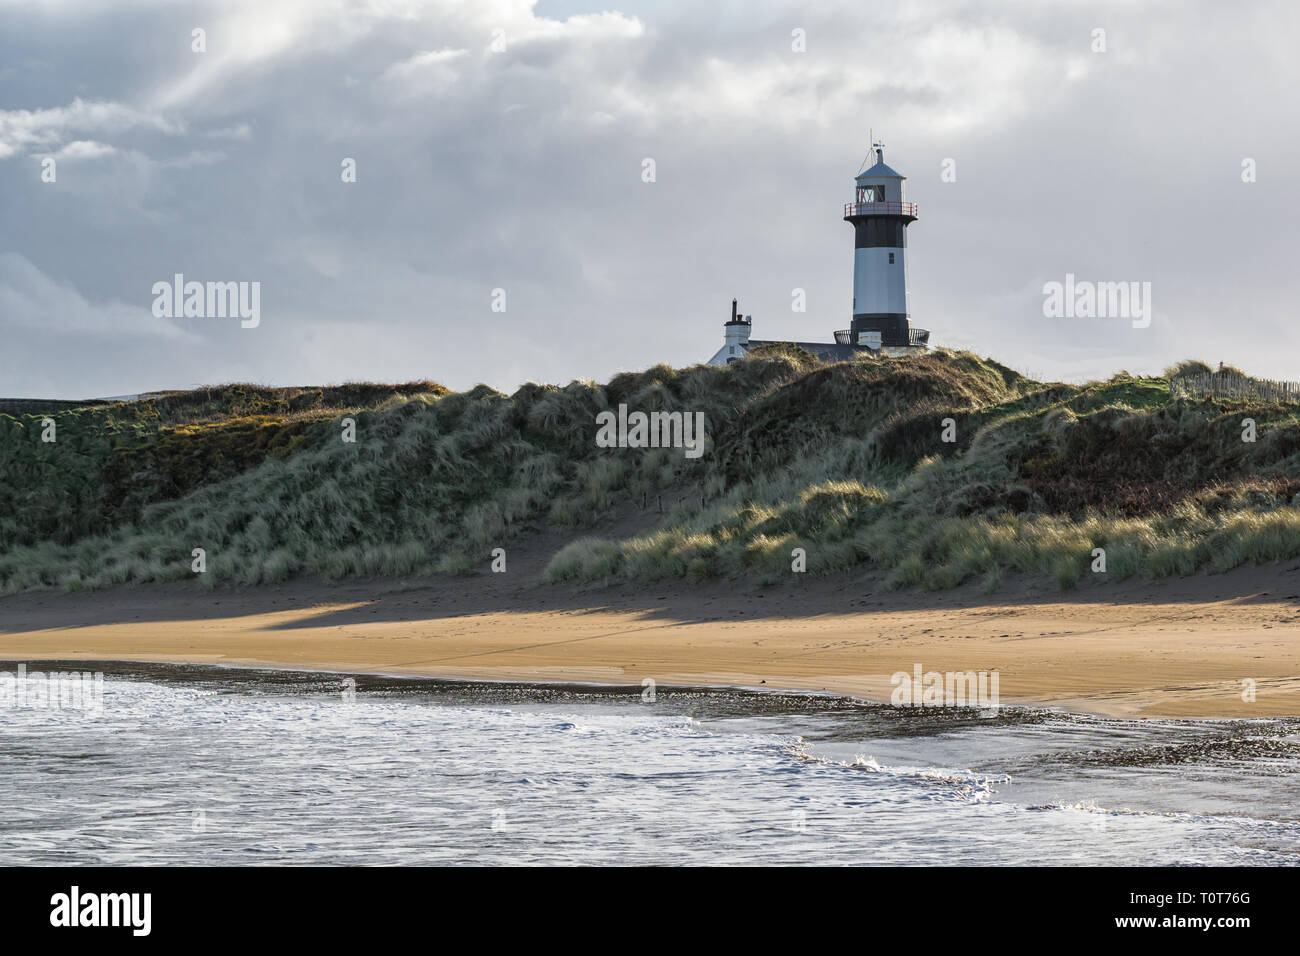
(845, 461)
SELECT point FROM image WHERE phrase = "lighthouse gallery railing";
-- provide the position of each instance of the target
(915, 336)
(880, 209)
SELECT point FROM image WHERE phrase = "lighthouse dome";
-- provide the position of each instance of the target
(880, 183)
(880, 171)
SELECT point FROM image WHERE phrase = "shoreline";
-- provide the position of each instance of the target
(1179, 648)
(606, 687)
(558, 684)
(509, 676)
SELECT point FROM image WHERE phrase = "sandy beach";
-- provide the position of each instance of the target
(1173, 648)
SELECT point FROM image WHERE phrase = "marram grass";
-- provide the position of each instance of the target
(847, 463)
(948, 551)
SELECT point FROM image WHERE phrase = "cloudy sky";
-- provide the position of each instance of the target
(500, 144)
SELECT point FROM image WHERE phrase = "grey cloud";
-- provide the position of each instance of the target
(521, 170)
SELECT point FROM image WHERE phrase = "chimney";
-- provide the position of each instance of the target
(737, 330)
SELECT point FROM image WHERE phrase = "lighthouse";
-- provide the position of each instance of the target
(881, 324)
(880, 215)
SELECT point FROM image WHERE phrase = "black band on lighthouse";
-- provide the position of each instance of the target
(874, 232)
(892, 326)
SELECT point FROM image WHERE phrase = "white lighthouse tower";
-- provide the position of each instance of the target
(880, 215)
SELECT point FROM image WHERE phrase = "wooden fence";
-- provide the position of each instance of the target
(1232, 385)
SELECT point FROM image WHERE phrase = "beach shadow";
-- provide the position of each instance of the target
(316, 603)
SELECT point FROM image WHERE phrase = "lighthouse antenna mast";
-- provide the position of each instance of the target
(871, 138)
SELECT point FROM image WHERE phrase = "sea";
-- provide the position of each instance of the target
(192, 765)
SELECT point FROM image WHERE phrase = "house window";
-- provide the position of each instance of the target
(891, 258)
(731, 350)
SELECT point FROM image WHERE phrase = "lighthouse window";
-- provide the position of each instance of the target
(891, 258)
